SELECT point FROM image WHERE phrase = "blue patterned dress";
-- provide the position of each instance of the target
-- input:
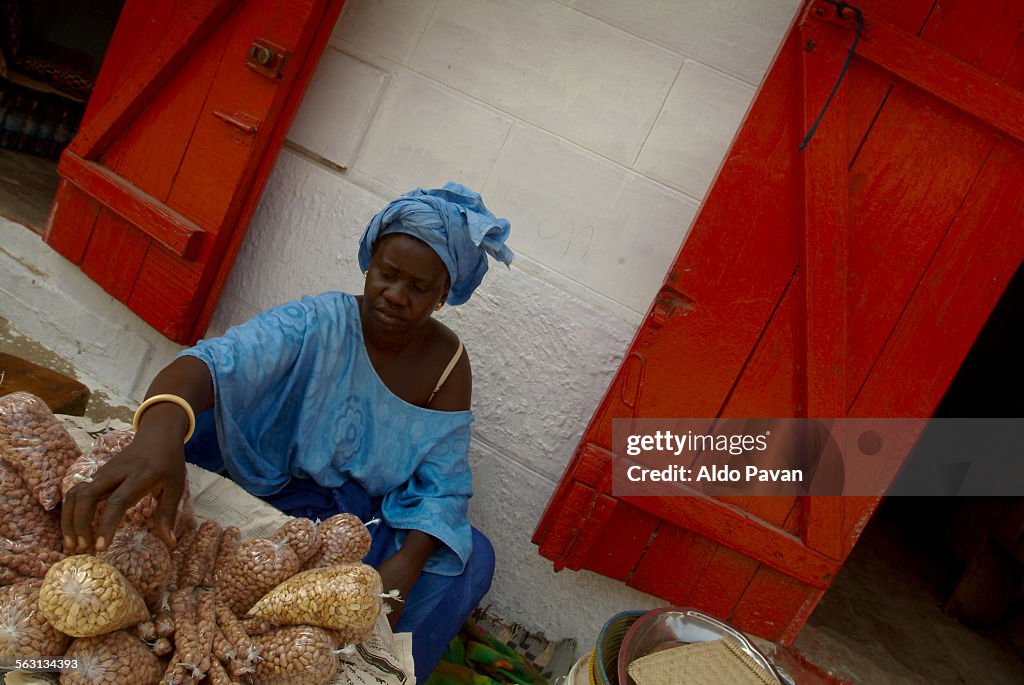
(296, 397)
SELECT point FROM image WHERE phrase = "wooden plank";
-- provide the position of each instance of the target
(721, 584)
(174, 42)
(61, 394)
(302, 77)
(71, 221)
(899, 214)
(826, 201)
(148, 214)
(738, 531)
(673, 565)
(577, 503)
(769, 602)
(928, 67)
(115, 255)
(151, 162)
(825, 260)
(216, 166)
(910, 15)
(164, 294)
(771, 385)
(959, 289)
(622, 541)
(955, 26)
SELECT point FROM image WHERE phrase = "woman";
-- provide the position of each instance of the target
(339, 403)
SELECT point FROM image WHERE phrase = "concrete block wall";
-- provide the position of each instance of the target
(595, 126)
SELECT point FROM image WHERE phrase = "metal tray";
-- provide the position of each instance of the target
(673, 626)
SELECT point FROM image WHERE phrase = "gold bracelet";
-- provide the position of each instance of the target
(174, 399)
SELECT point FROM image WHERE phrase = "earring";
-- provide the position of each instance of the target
(438, 306)
(364, 273)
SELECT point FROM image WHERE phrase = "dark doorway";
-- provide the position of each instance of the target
(50, 55)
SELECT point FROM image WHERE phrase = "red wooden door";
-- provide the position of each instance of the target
(190, 108)
(848, 280)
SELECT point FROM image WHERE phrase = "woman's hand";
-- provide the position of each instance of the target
(401, 570)
(154, 463)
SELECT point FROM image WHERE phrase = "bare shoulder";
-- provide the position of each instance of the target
(457, 390)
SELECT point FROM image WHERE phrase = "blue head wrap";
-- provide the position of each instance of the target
(455, 223)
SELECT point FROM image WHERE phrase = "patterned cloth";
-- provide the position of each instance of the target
(454, 222)
(296, 396)
(475, 657)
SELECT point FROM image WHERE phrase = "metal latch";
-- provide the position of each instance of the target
(267, 59)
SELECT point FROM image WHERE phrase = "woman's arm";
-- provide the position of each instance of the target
(401, 570)
(153, 463)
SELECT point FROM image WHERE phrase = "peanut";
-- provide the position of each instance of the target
(230, 541)
(84, 596)
(257, 567)
(302, 535)
(199, 563)
(296, 655)
(340, 597)
(343, 539)
(22, 517)
(25, 632)
(143, 559)
(35, 444)
(116, 658)
(162, 646)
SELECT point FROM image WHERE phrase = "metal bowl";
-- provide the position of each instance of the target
(673, 626)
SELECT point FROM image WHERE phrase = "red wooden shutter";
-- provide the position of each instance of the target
(190, 109)
(847, 280)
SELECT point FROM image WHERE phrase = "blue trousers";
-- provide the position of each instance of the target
(436, 607)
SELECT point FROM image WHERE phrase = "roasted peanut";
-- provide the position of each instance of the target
(22, 517)
(36, 445)
(143, 559)
(230, 541)
(258, 566)
(340, 597)
(343, 539)
(116, 658)
(302, 535)
(24, 631)
(199, 563)
(295, 655)
(83, 596)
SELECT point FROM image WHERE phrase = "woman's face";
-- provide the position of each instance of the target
(404, 283)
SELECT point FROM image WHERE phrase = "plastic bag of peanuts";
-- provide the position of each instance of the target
(22, 517)
(343, 597)
(143, 559)
(116, 658)
(344, 538)
(24, 631)
(36, 445)
(84, 596)
(258, 566)
(20, 560)
(295, 655)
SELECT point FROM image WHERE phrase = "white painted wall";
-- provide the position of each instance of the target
(595, 126)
